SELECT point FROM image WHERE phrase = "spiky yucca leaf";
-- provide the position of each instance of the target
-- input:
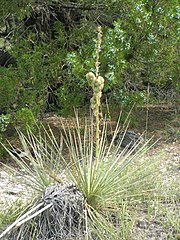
(116, 174)
(39, 158)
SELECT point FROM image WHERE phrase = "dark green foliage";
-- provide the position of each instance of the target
(53, 43)
(4, 122)
(8, 88)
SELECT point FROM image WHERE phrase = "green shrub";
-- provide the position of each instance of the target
(4, 122)
(9, 86)
(25, 118)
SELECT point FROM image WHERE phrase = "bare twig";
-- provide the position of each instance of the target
(19, 220)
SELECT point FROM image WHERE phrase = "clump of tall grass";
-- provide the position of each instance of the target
(82, 194)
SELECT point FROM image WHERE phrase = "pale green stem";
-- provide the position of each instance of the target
(97, 133)
(97, 106)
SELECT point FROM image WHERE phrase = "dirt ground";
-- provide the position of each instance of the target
(163, 124)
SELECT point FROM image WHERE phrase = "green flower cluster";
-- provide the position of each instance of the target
(97, 84)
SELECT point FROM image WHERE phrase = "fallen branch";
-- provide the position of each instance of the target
(25, 218)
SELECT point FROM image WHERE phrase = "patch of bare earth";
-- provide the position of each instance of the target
(156, 225)
(11, 188)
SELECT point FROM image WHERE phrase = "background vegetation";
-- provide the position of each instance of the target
(48, 46)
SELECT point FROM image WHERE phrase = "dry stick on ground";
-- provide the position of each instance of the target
(25, 218)
(63, 201)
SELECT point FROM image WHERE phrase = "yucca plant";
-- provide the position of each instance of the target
(105, 185)
(118, 178)
(80, 195)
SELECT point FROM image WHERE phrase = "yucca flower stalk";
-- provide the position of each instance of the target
(97, 84)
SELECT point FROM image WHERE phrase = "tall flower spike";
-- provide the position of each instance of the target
(97, 84)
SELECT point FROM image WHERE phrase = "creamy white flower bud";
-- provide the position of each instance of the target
(101, 80)
(90, 76)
